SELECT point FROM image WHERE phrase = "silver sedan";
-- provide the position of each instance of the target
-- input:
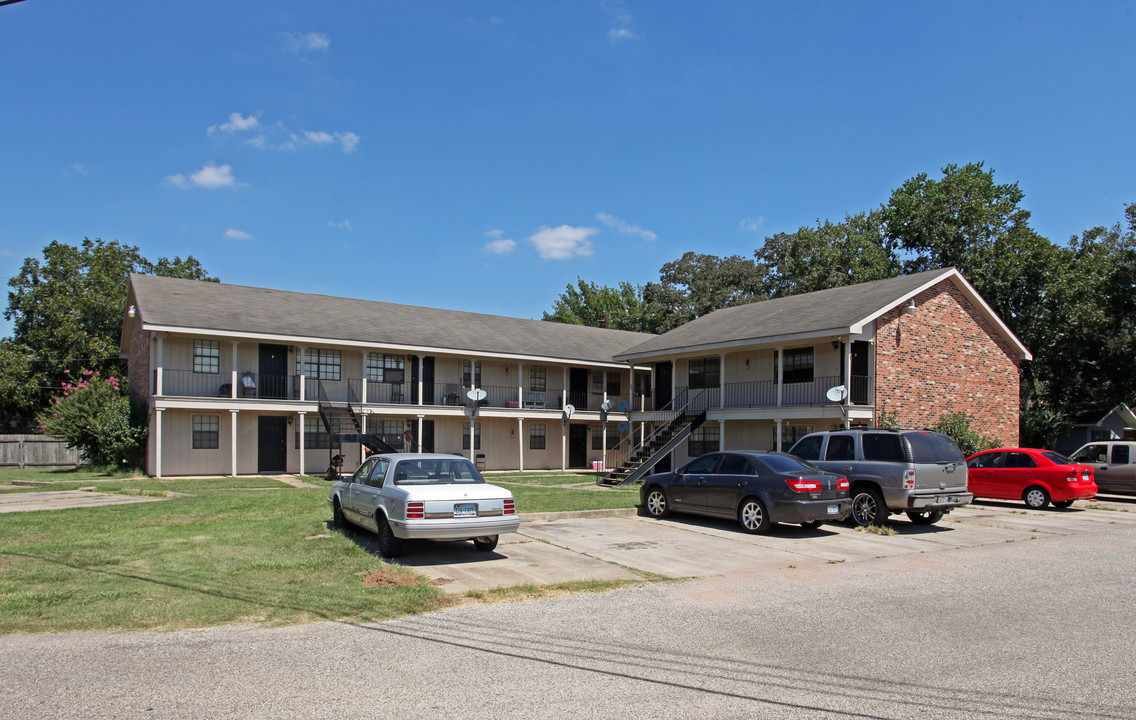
(403, 496)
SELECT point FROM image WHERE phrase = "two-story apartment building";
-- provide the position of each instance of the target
(236, 378)
(768, 373)
(240, 379)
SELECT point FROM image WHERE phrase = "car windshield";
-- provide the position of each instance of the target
(436, 471)
(786, 464)
(929, 447)
(1056, 458)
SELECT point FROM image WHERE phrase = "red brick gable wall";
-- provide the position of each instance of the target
(138, 364)
(946, 357)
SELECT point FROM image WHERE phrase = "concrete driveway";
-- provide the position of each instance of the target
(621, 546)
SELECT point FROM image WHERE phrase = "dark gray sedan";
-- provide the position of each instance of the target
(757, 488)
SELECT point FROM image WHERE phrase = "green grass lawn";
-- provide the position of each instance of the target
(220, 551)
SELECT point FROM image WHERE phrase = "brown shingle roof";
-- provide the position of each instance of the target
(199, 305)
(835, 310)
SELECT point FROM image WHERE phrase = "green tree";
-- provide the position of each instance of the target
(67, 311)
(698, 284)
(599, 306)
(94, 414)
(1092, 319)
(827, 256)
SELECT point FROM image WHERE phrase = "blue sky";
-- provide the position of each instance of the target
(482, 155)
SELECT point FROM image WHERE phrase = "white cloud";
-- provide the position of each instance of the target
(621, 29)
(297, 43)
(235, 234)
(499, 245)
(561, 243)
(625, 227)
(752, 224)
(347, 141)
(79, 168)
(236, 123)
(209, 177)
(345, 225)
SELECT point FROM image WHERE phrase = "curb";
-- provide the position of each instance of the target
(577, 514)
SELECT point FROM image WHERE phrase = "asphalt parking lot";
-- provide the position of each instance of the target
(623, 546)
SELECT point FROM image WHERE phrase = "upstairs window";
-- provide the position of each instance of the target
(704, 373)
(206, 356)
(473, 378)
(385, 368)
(322, 364)
(538, 378)
(798, 366)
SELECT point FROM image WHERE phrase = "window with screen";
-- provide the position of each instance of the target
(704, 373)
(537, 436)
(798, 366)
(206, 432)
(323, 364)
(206, 356)
(703, 440)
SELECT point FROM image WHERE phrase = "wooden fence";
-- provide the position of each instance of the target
(36, 451)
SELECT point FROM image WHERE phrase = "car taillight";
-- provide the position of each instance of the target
(842, 484)
(908, 479)
(510, 507)
(1072, 476)
(802, 486)
(415, 510)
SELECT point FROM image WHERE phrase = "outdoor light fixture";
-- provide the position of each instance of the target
(909, 308)
(132, 311)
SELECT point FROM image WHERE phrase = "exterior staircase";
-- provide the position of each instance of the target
(343, 425)
(638, 460)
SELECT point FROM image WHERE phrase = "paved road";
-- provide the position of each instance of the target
(1002, 627)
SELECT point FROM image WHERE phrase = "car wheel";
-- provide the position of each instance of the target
(812, 524)
(753, 516)
(1062, 503)
(868, 507)
(657, 506)
(485, 544)
(1036, 497)
(338, 519)
(389, 545)
(925, 518)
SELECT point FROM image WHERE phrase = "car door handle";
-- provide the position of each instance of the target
(847, 468)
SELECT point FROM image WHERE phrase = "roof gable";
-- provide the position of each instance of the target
(835, 311)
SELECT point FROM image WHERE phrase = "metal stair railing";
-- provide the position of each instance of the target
(633, 461)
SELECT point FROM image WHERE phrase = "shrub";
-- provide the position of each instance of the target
(94, 415)
(956, 425)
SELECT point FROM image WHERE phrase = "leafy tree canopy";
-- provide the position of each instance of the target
(600, 306)
(67, 310)
(827, 256)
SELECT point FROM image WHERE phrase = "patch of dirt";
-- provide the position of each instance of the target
(317, 537)
(384, 577)
(441, 581)
(635, 545)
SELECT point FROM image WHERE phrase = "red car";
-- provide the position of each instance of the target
(1033, 476)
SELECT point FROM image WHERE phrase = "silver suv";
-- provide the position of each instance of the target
(919, 472)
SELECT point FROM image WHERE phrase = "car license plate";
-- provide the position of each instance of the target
(944, 499)
(833, 509)
(465, 510)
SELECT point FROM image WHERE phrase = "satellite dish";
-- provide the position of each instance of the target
(623, 427)
(476, 395)
(837, 394)
(623, 406)
(605, 405)
(568, 410)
